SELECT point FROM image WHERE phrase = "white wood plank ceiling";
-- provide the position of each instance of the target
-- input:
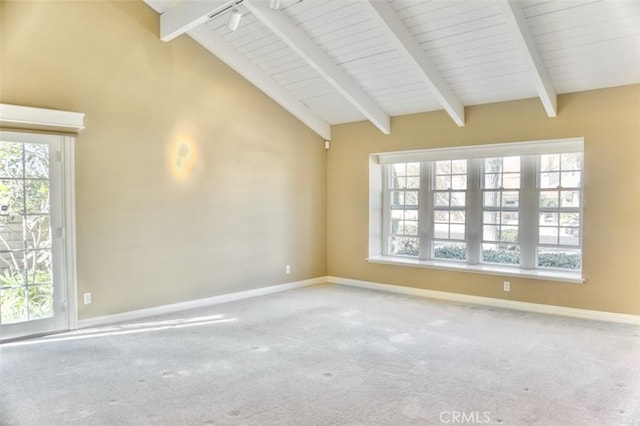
(336, 61)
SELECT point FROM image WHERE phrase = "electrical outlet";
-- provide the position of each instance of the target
(507, 286)
(87, 298)
(287, 269)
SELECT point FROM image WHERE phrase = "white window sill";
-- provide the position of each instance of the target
(536, 274)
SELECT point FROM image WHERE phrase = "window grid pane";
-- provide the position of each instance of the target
(500, 215)
(404, 188)
(449, 188)
(559, 185)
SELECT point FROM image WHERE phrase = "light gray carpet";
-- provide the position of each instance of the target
(329, 355)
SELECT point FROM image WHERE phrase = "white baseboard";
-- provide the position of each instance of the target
(455, 297)
(198, 303)
(488, 301)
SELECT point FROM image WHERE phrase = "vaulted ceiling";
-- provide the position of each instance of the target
(336, 61)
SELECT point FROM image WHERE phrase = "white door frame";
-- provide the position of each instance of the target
(39, 120)
(69, 227)
(62, 198)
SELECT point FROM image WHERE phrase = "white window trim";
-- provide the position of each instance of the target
(486, 269)
(377, 214)
(17, 116)
(548, 146)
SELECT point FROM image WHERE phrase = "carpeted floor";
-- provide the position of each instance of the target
(327, 355)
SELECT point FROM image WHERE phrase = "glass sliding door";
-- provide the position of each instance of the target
(32, 292)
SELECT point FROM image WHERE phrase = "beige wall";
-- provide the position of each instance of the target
(253, 201)
(609, 121)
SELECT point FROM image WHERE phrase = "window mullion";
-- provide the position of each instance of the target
(474, 211)
(386, 210)
(425, 212)
(528, 226)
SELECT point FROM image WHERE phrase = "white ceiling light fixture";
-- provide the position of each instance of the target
(234, 19)
(274, 4)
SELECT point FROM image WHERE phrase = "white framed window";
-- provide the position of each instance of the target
(448, 180)
(401, 216)
(501, 188)
(560, 205)
(515, 206)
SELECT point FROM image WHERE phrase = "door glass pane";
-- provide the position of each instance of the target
(38, 266)
(26, 284)
(37, 232)
(10, 160)
(36, 161)
(37, 196)
(11, 196)
(13, 305)
(12, 268)
(40, 301)
(11, 237)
